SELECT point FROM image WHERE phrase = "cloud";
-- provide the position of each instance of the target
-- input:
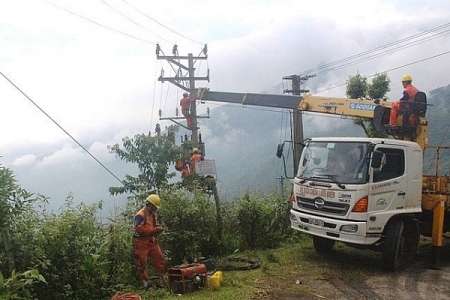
(67, 153)
(100, 85)
(26, 160)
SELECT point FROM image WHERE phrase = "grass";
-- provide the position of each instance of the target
(293, 270)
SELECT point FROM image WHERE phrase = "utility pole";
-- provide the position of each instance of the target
(297, 80)
(186, 83)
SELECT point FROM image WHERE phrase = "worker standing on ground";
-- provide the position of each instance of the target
(408, 94)
(185, 104)
(146, 229)
(196, 157)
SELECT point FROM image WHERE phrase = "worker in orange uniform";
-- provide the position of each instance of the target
(196, 156)
(146, 229)
(408, 94)
(185, 104)
(182, 166)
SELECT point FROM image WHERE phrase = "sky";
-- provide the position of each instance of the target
(87, 70)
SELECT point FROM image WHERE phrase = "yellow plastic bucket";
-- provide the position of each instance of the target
(215, 280)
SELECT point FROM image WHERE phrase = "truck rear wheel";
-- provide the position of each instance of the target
(393, 245)
(322, 244)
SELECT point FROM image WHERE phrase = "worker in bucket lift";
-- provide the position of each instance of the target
(146, 229)
(195, 157)
(185, 104)
(408, 95)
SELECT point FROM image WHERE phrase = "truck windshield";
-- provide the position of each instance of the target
(341, 162)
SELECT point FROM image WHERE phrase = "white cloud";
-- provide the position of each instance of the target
(26, 160)
(67, 155)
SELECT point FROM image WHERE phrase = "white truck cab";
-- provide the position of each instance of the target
(359, 191)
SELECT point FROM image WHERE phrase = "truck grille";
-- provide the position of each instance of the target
(339, 209)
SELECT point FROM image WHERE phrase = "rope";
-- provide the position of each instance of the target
(126, 296)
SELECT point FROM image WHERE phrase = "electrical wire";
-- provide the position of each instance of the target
(101, 25)
(383, 53)
(159, 23)
(360, 56)
(60, 127)
(134, 22)
(393, 69)
(309, 71)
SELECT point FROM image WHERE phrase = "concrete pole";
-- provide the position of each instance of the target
(193, 94)
(298, 125)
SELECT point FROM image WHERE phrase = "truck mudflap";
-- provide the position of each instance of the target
(353, 232)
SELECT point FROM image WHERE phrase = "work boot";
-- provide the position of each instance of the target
(145, 284)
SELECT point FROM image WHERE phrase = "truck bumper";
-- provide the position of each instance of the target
(354, 232)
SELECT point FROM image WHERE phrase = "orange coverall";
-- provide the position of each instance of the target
(408, 95)
(183, 167)
(185, 104)
(145, 243)
(194, 158)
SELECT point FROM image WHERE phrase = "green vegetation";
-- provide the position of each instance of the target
(70, 254)
(359, 88)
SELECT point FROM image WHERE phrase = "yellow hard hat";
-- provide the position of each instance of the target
(195, 150)
(155, 200)
(406, 77)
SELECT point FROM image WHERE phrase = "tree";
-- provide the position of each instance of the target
(153, 156)
(357, 87)
(14, 201)
(379, 87)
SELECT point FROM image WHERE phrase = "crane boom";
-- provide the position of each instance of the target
(415, 128)
(341, 106)
(270, 100)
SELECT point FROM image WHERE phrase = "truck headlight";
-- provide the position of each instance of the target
(293, 218)
(349, 228)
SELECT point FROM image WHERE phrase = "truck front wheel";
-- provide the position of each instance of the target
(393, 245)
(322, 244)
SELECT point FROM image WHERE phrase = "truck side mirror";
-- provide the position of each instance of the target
(280, 150)
(378, 159)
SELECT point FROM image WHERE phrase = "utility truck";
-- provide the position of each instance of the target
(365, 192)
(370, 192)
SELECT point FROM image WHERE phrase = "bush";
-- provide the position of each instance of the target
(260, 221)
(190, 226)
(71, 251)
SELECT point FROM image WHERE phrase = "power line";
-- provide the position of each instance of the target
(393, 69)
(60, 127)
(101, 25)
(134, 22)
(381, 53)
(325, 66)
(159, 23)
(131, 20)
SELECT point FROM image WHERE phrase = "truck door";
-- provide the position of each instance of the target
(389, 182)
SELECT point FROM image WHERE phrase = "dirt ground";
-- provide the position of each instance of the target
(417, 281)
(349, 279)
